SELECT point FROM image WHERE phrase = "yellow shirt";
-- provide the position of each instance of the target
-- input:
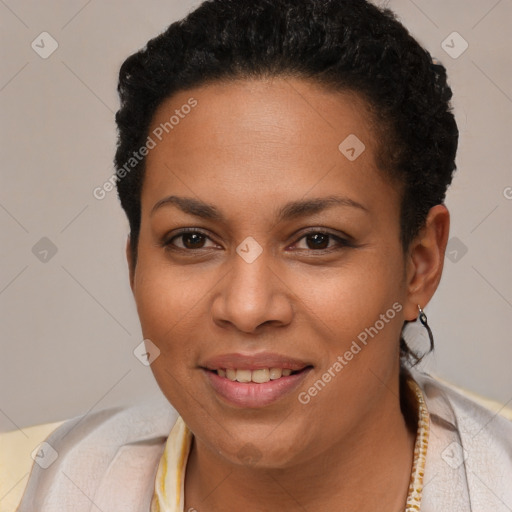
(169, 493)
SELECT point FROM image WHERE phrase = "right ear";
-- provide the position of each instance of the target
(129, 259)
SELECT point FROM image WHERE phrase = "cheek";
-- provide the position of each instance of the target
(362, 307)
(164, 295)
(167, 308)
(352, 296)
(166, 305)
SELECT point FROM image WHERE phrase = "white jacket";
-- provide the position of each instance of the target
(108, 460)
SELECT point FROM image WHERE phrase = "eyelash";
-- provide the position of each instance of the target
(342, 242)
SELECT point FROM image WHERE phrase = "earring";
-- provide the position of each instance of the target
(423, 320)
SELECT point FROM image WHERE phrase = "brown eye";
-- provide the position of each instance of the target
(190, 240)
(320, 240)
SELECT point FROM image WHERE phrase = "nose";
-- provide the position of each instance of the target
(253, 295)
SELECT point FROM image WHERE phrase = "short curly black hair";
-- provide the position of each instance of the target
(347, 45)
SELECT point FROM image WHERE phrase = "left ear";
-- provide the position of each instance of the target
(425, 260)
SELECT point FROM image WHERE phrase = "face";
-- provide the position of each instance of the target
(266, 248)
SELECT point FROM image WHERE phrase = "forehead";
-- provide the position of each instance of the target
(263, 140)
(286, 111)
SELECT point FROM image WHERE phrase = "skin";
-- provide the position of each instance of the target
(248, 148)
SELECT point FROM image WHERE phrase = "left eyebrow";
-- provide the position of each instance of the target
(302, 208)
(291, 210)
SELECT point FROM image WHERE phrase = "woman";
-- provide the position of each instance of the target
(283, 166)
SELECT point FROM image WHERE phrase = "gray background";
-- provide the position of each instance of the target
(69, 324)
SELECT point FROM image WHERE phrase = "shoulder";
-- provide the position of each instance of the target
(466, 409)
(101, 457)
(16, 458)
(469, 454)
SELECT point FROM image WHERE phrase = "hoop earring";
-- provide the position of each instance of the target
(423, 320)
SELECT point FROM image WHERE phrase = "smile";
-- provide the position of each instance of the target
(259, 376)
(251, 389)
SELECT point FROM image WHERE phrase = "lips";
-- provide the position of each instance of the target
(241, 380)
(239, 361)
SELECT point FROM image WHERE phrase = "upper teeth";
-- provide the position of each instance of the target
(260, 376)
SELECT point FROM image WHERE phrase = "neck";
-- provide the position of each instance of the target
(360, 472)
